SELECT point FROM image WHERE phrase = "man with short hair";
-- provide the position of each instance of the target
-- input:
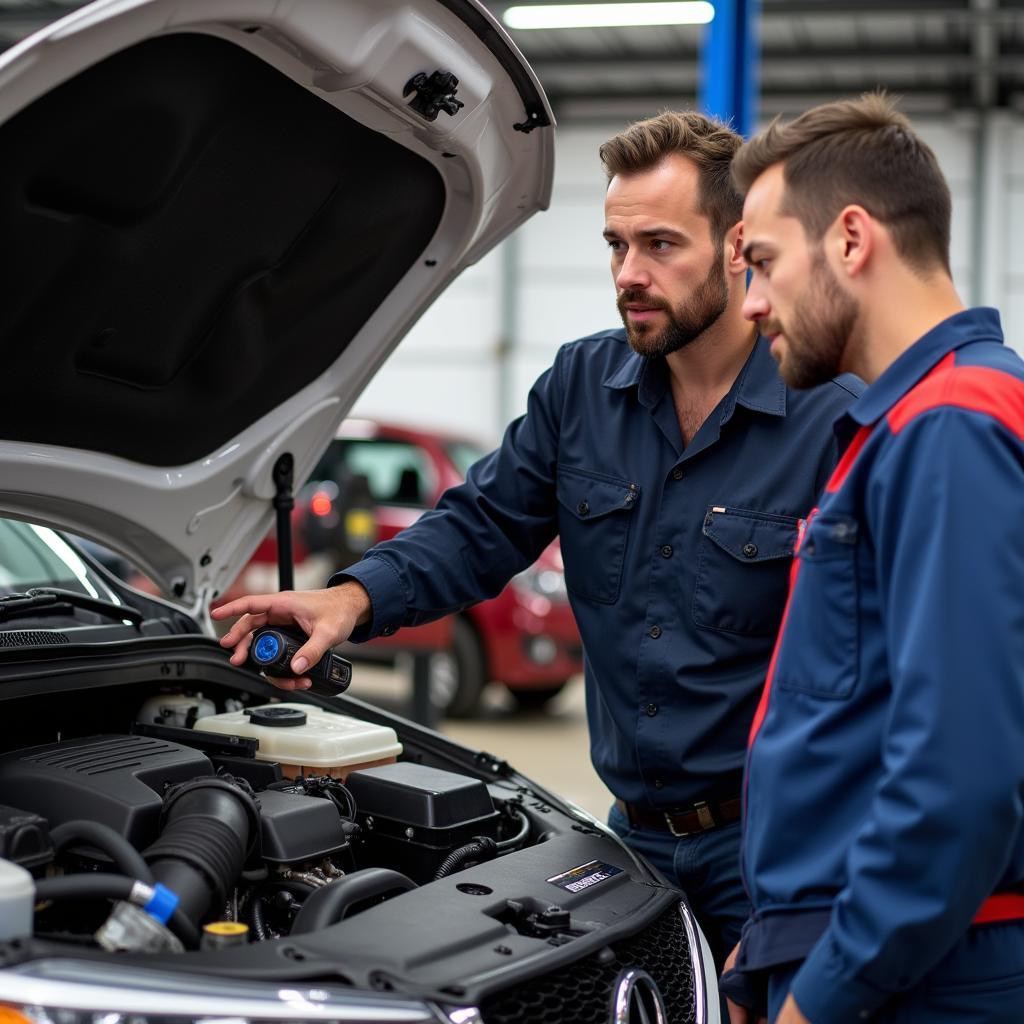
(883, 840)
(674, 465)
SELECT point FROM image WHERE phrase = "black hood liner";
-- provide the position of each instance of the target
(188, 238)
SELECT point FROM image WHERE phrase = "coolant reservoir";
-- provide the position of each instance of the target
(308, 741)
(17, 898)
(177, 709)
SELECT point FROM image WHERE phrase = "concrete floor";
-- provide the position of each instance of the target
(550, 746)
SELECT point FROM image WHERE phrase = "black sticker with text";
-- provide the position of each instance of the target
(586, 875)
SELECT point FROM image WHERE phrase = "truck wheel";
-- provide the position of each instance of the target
(536, 697)
(458, 676)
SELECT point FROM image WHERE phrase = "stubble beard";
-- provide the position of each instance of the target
(686, 323)
(823, 322)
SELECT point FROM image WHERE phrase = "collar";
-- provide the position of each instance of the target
(965, 328)
(758, 386)
(629, 372)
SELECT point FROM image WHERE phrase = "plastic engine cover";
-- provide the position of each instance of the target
(299, 828)
(116, 780)
(414, 816)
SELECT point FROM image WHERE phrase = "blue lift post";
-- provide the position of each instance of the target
(729, 61)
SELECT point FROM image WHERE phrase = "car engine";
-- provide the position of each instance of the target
(204, 838)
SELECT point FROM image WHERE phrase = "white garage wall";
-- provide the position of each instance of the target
(1003, 171)
(469, 363)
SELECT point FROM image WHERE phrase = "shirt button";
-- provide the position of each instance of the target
(654, 632)
(677, 474)
(666, 550)
(750, 550)
(651, 709)
(658, 784)
(387, 631)
(583, 508)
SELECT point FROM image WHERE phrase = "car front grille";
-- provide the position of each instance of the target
(581, 993)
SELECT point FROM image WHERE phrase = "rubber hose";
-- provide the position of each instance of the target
(127, 859)
(331, 903)
(207, 826)
(85, 887)
(482, 848)
(258, 919)
(520, 836)
(111, 887)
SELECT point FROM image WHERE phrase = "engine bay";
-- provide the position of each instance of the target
(168, 811)
(185, 806)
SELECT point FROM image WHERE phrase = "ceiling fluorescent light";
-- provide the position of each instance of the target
(609, 15)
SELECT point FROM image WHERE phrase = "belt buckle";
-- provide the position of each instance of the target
(704, 818)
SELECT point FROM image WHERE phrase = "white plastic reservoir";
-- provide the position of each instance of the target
(177, 709)
(306, 740)
(17, 899)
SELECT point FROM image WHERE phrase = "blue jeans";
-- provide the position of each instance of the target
(706, 866)
(981, 981)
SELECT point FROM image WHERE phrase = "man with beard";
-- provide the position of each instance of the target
(883, 839)
(674, 464)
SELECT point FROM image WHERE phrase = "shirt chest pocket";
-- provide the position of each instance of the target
(819, 653)
(594, 516)
(743, 571)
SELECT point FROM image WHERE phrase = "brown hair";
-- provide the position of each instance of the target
(857, 151)
(706, 141)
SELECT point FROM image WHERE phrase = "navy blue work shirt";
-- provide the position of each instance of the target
(894, 718)
(676, 557)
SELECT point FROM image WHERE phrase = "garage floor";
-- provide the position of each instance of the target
(549, 746)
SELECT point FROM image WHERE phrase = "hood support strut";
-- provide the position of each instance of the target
(284, 502)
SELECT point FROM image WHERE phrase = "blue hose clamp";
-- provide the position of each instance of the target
(162, 903)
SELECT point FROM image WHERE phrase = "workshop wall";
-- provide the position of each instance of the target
(468, 365)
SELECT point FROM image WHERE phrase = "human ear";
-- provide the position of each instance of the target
(735, 264)
(852, 239)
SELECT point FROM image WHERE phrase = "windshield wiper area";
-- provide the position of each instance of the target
(54, 600)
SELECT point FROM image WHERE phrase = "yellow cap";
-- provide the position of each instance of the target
(225, 928)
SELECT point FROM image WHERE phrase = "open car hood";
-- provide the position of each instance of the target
(218, 218)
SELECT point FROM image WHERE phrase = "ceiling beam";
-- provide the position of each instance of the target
(787, 8)
(778, 73)
(883, 51)
(782, 89)
(953, 12)
(985, 51)
(943, 96)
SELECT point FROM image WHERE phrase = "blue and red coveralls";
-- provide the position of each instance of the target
(883, 841)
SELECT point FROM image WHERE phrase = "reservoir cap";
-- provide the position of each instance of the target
(277, 717)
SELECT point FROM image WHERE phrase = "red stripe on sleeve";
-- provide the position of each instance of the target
(842, 471)
(976, 388)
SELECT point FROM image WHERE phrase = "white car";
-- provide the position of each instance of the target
(219, 217)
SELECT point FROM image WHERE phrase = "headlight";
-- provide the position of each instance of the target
(542, 581)
(66, 992)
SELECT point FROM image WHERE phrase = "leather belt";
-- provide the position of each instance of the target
(702, 816)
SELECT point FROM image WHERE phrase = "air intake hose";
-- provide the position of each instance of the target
(208, 828)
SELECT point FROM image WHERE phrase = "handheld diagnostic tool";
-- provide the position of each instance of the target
(273, 648)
